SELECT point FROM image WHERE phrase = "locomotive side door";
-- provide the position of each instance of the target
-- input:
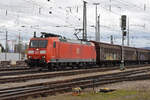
(54, 50)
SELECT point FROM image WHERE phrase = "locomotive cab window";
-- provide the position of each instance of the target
(38, 43)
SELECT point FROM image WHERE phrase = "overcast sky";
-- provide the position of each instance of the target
(64, 16)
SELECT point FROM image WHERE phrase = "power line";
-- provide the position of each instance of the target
(72, 13)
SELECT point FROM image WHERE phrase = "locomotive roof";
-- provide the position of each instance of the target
(75, 41)
(63, 39)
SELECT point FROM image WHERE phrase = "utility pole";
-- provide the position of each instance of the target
(39, 10)
(122, 48)
(84, 22)
(144, 7)
(6, 45)
(19, 45)
(111, 39)
(128, 42)
(96, 30)
(110, 5)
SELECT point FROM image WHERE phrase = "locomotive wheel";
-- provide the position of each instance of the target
(50, 67)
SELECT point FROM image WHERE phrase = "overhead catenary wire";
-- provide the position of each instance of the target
(72, 14)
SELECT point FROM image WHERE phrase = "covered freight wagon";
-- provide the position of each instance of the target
(130, 55)
(107, 54)
(110, 54)
(143, 56)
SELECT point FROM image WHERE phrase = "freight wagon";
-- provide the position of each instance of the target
(143, 56)
(107, 54)
(110, 55)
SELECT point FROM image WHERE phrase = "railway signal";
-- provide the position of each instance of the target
(124, 33)
(123, 22)
(123, 28)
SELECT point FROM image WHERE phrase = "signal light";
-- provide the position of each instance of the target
(124, 33)
(123, 22)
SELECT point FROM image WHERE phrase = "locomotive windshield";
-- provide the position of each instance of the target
(38, 43)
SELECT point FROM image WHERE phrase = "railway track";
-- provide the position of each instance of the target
(7, 71)
(37, 70)
(33, 74)
(11, 68)
(20, 72)
(48, 88)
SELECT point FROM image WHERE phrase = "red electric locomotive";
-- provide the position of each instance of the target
(54, 51)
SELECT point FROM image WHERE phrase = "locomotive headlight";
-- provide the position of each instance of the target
(30, 52)
(43, 52)
(30, 57)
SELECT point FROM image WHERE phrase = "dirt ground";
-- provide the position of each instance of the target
(129, 90)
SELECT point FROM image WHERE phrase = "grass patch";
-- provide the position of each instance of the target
(118, 95)
(115, 95)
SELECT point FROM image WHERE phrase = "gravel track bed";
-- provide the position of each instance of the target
(60, 78)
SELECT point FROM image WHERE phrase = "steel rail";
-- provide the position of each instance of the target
(67, 85)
